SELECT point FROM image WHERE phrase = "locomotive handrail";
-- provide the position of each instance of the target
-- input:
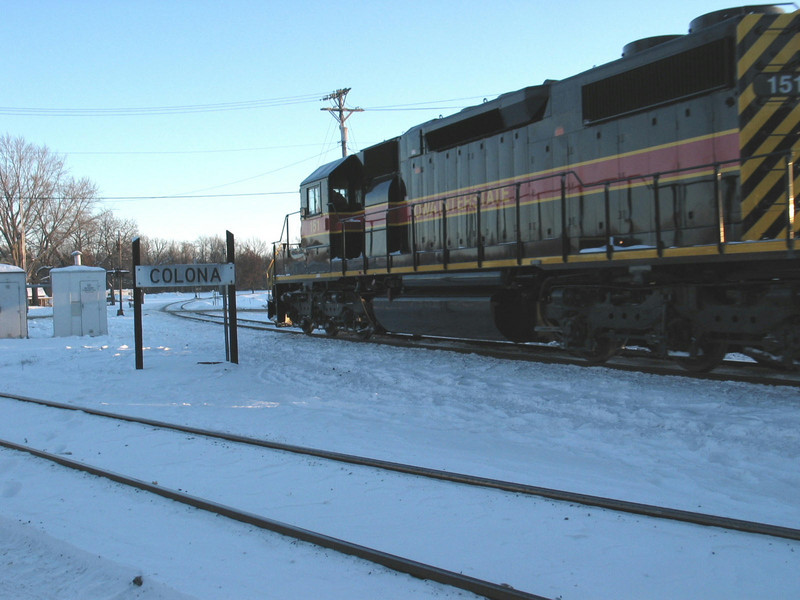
(280, 243)
(790, 200)
(719, 209)
(657, 210)
(567, 180)
(518, 217)
(285, 227)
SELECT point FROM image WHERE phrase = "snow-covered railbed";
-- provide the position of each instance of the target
(104, 540)
(725, 448)
(484, 530)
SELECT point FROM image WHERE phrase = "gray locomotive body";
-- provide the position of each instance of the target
(648, 201)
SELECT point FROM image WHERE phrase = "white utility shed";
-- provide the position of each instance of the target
(79, 301)
(13, 302)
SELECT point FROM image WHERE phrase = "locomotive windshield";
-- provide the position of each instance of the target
(345, 197)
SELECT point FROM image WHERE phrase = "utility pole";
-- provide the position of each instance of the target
(23, 244)
(340, 113)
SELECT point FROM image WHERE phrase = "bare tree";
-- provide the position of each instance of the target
(185, 253)
(157, 251)
(41, 206)
(251, 271)
(211, 249)
(256, 245)
(252, 258)
(45, 215)
(112, 241)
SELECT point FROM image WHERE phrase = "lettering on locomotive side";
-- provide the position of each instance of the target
(314, 226)
(498, 196)
(467, 203)
(185, 275)
(332, 224)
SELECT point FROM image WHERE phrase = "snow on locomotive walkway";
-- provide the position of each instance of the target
(731, 449)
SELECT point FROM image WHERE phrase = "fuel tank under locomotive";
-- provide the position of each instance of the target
(458, 305)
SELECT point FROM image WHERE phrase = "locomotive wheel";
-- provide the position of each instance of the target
(362, 327)
(595, 347)
(602, 349)
(307, 325)
(365, 332)
(780, 348)
(709, 355)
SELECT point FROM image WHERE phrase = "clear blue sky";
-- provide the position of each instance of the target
(82, 62)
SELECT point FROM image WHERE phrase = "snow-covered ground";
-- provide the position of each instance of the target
(724, 448)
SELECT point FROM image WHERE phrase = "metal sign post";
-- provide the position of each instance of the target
(137, 305)
(232, 328)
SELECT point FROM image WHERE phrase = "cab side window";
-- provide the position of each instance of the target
(313, 201)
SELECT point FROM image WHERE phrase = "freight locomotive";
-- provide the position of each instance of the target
(649, 201)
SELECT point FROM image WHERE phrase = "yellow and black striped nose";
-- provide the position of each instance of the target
(768, 71)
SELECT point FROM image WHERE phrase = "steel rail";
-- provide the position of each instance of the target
(543, 354)
(637, 508)
(487, 589)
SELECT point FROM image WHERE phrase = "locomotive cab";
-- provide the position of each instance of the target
(331, 211)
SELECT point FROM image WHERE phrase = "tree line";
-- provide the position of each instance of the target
(46, 214)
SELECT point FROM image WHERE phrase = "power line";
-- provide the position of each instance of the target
(428, 105)
(167, 197)
(217, 107)
(256, 176)
(419, 108)
(158, 110)
(250, 104)
(185, 196)
(217, 151)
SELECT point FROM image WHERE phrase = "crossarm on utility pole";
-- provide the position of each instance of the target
(340, 113)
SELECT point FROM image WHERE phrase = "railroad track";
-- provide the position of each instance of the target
(639, 361)
(487, 589)
(396, 563)
(82, 457)
(617, 505)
